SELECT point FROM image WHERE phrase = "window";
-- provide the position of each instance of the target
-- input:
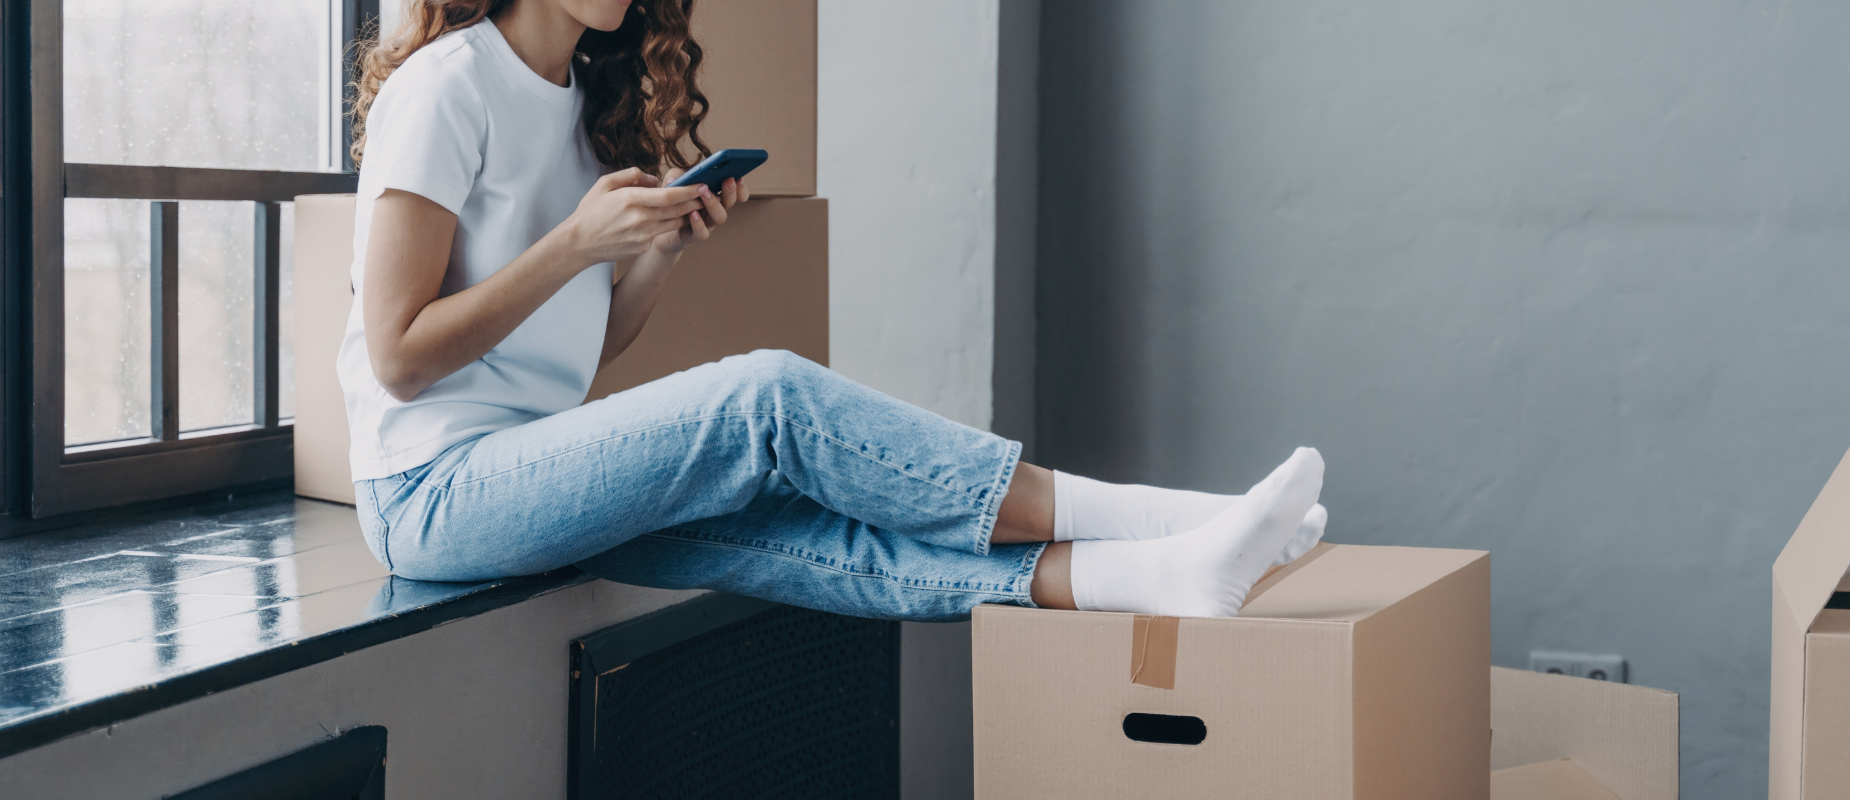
(152, 151)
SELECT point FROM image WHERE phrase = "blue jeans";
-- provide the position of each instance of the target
(764, 475)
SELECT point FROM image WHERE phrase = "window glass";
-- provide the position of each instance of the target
(243, 84)
(106, 320)
(217, 315)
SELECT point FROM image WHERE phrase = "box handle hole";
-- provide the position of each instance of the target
(1165, 728)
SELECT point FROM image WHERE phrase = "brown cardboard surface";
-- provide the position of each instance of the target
(1348, 582)
(1275, 574)
(1826, 754)
(1785, 730)
(1277, 693)
(1422, 675)
(1549, 780)
(1807, 571)
(762, 281)
(1626, 736)
(1050, 695)
(323, 296)
(759, 75)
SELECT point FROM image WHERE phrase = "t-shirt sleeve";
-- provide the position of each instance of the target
(429, 139)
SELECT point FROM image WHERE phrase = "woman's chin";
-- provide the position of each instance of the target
(603, 16)
(599, 23)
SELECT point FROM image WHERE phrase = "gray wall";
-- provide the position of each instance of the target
(1561, 280)
(1018, 37)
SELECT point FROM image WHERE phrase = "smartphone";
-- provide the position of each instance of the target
(731, 162)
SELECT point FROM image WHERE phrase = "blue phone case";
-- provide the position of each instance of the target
(731, 162)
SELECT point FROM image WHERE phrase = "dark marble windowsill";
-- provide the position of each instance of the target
(110, 620)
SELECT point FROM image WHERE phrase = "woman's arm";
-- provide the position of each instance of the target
(635, 294)
(416, 338)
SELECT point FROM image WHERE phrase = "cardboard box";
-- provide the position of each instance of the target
(1549, 780)
(1566, 738)
(1827, 706)
(759, 76)
(1808, 753)
(1356, 672)
(762, 281)
(323, 298)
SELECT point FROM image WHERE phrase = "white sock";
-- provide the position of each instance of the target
(1089, 509)
(1205, 572)
(1310, 532)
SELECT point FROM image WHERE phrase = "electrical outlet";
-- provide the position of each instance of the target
(1597, 667)
(1551, 662)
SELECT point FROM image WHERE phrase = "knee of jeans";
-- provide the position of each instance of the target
(771, 368)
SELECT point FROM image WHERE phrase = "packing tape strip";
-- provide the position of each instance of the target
(1153, 650)
(1154, 638)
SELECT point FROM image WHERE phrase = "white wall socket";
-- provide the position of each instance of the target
(1598, 667)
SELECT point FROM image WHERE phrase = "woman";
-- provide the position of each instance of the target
(512, 237)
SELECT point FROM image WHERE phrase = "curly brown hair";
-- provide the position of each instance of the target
(641, 97)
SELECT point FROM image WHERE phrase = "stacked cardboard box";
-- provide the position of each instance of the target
(761, 282)
(323, 298)
(759, 75)
(1809, 751)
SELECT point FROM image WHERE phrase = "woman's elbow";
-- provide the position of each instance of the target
(403, 392)
(397, 378)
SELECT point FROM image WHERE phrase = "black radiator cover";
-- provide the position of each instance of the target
(729, 697)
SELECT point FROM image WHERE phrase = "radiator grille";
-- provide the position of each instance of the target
(785, 702)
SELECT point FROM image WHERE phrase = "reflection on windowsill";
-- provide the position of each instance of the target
(88, 612)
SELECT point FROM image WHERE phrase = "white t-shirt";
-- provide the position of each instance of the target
(465, 123)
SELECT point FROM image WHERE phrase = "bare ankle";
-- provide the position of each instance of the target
(1026, 514)
(1053, 578)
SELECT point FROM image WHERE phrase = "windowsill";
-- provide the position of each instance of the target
(114, 619)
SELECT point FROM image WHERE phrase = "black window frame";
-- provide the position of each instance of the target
(42, 476)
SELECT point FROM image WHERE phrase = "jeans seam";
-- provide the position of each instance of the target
(1029, 561)
(998, 489)
(840, 444)
(385, 533)
(816, 560)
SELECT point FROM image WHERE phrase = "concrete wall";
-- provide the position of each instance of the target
(1561, 280)
(474, 708)
(906, 154)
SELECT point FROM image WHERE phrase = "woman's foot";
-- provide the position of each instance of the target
(1088, 509)
(1205, 572)
(1310, 532)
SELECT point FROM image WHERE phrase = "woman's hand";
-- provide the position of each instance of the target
(700, 225)
(636, 291)
(625, 213)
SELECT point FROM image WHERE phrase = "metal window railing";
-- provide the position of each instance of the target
(267, 191)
